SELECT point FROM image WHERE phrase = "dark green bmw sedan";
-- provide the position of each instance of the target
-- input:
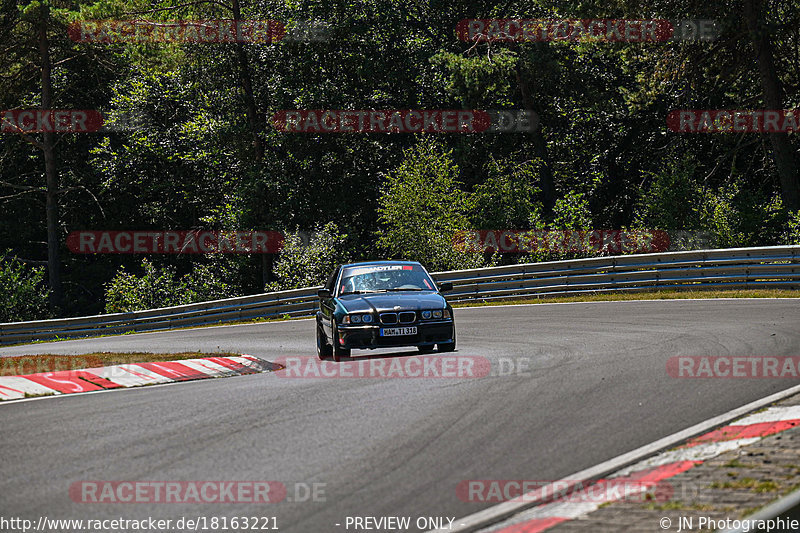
(383, 304)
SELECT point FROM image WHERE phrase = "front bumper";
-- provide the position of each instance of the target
(429, 332)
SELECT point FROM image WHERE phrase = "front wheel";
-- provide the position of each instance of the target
(338, 351)
(323, 348)
(448, 346)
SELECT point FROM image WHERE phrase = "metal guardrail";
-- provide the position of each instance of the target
(736, 268)
(733, 268)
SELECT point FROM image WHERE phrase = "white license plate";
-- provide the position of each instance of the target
(397, 332)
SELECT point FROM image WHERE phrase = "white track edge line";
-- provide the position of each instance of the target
(504, 510)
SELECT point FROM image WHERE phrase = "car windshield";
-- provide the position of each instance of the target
(383, 278)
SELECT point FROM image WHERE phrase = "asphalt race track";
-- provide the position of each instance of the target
(597, 387)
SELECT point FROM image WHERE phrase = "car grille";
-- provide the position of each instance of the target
(408, 317)
(404, 317)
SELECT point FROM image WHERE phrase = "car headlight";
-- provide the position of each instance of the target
(356, 319)
(426, 314)
(446, 313)
(437, 313)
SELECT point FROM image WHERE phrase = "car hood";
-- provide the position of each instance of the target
(380, 302)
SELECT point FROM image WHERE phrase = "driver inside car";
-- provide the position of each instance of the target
(385, 280)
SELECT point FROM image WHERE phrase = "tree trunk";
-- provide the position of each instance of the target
(267, 269)
(539, 146)
(253, 119)
(51, 173)
(783, 151)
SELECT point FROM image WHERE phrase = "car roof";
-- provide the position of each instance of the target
(365, 263)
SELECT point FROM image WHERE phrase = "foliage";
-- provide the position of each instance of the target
(24, 296)
(793, 228)
(572, 212)
(162, 287)
(187, 158)
(477, 79)
(308, 260)
(726, 216)
(422, 208)
(671, 201)
(507, 196)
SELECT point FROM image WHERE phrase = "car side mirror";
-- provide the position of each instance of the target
(324, 293)
(446, 286)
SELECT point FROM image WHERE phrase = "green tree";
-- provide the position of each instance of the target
(308, 260)
(162, 287)
(422, 208)
(505, 199)
(572, 212)
(24, 295)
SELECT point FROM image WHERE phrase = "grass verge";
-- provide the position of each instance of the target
(30, 364)
(627, 296)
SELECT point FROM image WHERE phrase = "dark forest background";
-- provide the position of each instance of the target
(202, 155)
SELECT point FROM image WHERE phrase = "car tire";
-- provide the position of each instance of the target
(323, 348)
(338, 352)
(426, 349)
(448, 346)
